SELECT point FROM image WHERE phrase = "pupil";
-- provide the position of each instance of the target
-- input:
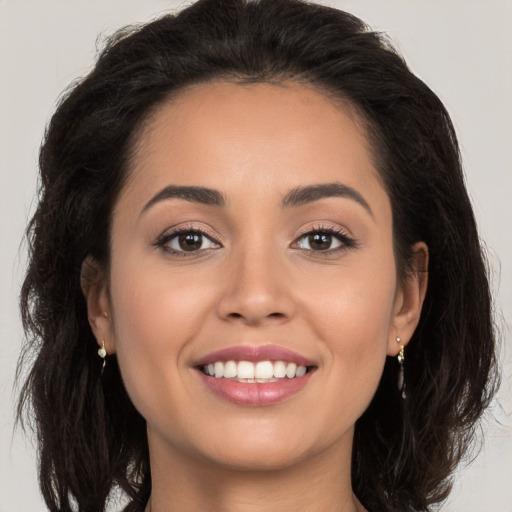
(190, 241)
(320, 241)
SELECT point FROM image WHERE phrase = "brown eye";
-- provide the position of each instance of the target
(190, 241)
(186, 241)
(320, 241)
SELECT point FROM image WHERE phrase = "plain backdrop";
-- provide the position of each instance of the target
(461, 48)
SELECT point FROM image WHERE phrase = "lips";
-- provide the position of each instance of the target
(255, 354)
(255, 375)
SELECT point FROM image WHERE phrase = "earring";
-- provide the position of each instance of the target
(102, 352)
(401, 359)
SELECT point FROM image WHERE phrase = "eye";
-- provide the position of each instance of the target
(186, 240)
(326, 239)
(319, 242)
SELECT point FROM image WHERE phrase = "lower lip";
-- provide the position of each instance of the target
(255, 394)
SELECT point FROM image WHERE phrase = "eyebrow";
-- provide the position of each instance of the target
(202, 195)
(295, 198)
(303, 195)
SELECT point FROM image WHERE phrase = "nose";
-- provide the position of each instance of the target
(257, 289)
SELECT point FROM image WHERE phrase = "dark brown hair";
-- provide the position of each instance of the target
(91, 438)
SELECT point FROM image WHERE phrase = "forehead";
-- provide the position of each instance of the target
(225, 134)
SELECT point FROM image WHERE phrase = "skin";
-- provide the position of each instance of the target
(256, 283)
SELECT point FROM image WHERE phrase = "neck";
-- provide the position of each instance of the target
(181, 482)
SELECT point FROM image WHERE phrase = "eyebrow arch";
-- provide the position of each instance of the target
(303, 195)
(194, 194)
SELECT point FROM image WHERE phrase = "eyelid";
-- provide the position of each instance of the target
(344, 236)
(325, 228)
(198, 227)
(175, 231)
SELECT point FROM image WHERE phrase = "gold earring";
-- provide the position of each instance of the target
(401, 359)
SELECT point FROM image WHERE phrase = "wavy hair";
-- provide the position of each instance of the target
(91, 438)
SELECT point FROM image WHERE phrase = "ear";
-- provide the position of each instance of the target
(409, 300)
(95, 289)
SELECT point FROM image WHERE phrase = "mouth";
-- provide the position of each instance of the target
(255, 376)
(250, 372)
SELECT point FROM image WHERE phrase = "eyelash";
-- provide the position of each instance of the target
(164, 240)
(347, 241)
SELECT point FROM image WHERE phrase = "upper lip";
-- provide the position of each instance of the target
(255, 353)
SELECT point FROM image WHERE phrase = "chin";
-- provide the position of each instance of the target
(258, 459)
(270, 449)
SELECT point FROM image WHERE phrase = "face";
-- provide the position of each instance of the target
(254, 228)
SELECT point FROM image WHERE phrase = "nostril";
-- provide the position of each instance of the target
(250, 319)
(275, 315)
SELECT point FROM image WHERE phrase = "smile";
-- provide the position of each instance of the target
(255, 375)
(255, 372)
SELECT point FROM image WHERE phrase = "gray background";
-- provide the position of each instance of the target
(461, 48)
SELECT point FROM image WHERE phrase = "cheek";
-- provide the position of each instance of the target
(156, 303)
(351, 312)
(156, 315)
(356, 300)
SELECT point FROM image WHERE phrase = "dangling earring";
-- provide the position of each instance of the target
(102, 352)
(401, 359)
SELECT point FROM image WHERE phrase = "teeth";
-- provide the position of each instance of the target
(230, 369)
(291, 368)
(262, 371)
(301, 371)
(245, 370)
(219, 370)
(279, 370)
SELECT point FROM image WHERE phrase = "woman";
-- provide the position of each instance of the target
(248, 212)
